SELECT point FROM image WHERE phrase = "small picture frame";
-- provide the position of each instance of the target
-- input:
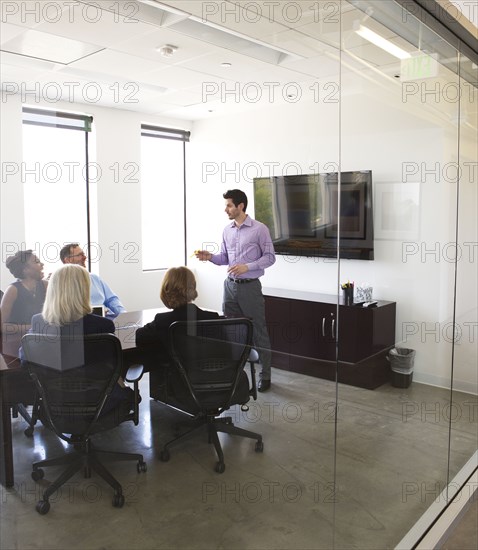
(397, 211)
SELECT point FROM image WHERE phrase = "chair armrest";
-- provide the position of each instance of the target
(253, 356)
(253, 359)
(134, 374)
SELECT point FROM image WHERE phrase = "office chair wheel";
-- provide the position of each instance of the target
(259, 446)
(43, 507)
(28, 431)
(220, 467)
(37, 475)
(118, 500)
(141, 466)
(164, 455)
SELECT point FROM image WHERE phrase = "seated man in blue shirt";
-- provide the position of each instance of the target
(101, 293)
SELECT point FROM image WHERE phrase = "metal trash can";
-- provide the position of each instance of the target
(401, 362)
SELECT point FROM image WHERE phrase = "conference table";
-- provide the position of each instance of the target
(17, 387)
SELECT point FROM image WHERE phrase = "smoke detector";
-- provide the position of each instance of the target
(167, 50)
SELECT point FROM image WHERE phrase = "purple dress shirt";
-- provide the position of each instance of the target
(249, 244)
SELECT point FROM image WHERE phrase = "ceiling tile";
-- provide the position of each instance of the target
(42, 45)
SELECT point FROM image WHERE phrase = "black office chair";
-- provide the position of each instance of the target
(74, 377)
(31, 419)
(206, 377)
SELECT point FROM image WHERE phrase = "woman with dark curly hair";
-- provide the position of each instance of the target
(22, 299)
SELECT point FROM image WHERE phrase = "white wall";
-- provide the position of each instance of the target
(378, 133)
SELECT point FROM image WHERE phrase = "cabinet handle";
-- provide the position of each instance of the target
(323, 326)
(333, 329)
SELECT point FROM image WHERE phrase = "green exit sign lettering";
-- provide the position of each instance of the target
(418, 67)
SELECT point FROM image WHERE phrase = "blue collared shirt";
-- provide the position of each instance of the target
(102, 295)
(249, 244)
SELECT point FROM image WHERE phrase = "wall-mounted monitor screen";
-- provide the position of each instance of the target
(302, 213)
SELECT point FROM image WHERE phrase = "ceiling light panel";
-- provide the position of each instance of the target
(381, 42)
(27, 63)
(8, 32)
(231, 41)
(49, 47)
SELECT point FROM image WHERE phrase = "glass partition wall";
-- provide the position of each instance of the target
(395, 100)
(408, 112)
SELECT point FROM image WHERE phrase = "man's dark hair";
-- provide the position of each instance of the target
(237, 196)
(16, 263)
(66, 251)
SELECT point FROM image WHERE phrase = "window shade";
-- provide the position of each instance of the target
(164, 133)
(57, 119)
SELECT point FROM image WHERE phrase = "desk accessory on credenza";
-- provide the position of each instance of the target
(348, 293)
(363, 293)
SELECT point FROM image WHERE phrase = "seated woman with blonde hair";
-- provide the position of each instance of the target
(67, 308)
(178, 291)
(67, 312)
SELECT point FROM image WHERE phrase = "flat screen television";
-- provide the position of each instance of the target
(302, 214)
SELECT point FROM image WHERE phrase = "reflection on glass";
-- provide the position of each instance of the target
(302, 213)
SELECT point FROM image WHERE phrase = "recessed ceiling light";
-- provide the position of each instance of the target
(226, 65)
(167, 50)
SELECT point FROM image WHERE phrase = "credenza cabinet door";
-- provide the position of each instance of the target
(317, 329)
(309, 336)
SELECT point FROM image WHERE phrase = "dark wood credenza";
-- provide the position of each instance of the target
(312, 334)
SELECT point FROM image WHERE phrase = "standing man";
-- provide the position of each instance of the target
(248, 250)
(101, 293)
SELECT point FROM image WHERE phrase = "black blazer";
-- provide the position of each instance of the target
(154, 335)
(89, 324)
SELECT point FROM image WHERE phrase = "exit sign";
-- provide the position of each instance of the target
(418, 67)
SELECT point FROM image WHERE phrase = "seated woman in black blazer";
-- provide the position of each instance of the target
(67, 311)
(177, 293)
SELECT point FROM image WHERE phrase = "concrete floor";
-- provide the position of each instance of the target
(465, 535)
(360, 482)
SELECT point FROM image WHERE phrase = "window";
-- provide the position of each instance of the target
(163, 197)
(55, 179)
